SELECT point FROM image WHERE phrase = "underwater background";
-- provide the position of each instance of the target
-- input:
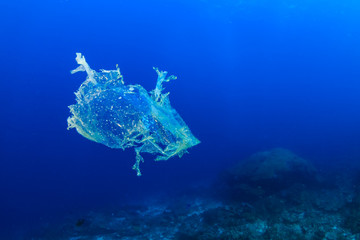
(279, 79)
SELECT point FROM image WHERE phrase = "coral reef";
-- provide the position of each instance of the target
(266, 173)
(296, 211)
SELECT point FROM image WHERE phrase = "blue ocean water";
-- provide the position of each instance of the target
(252, 76)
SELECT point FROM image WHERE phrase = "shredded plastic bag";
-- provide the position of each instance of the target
(123, 116)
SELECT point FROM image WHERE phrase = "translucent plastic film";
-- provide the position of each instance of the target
(122, 116)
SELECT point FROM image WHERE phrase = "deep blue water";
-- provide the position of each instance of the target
(252, 75)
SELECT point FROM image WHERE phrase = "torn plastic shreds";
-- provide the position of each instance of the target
(122, 116)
